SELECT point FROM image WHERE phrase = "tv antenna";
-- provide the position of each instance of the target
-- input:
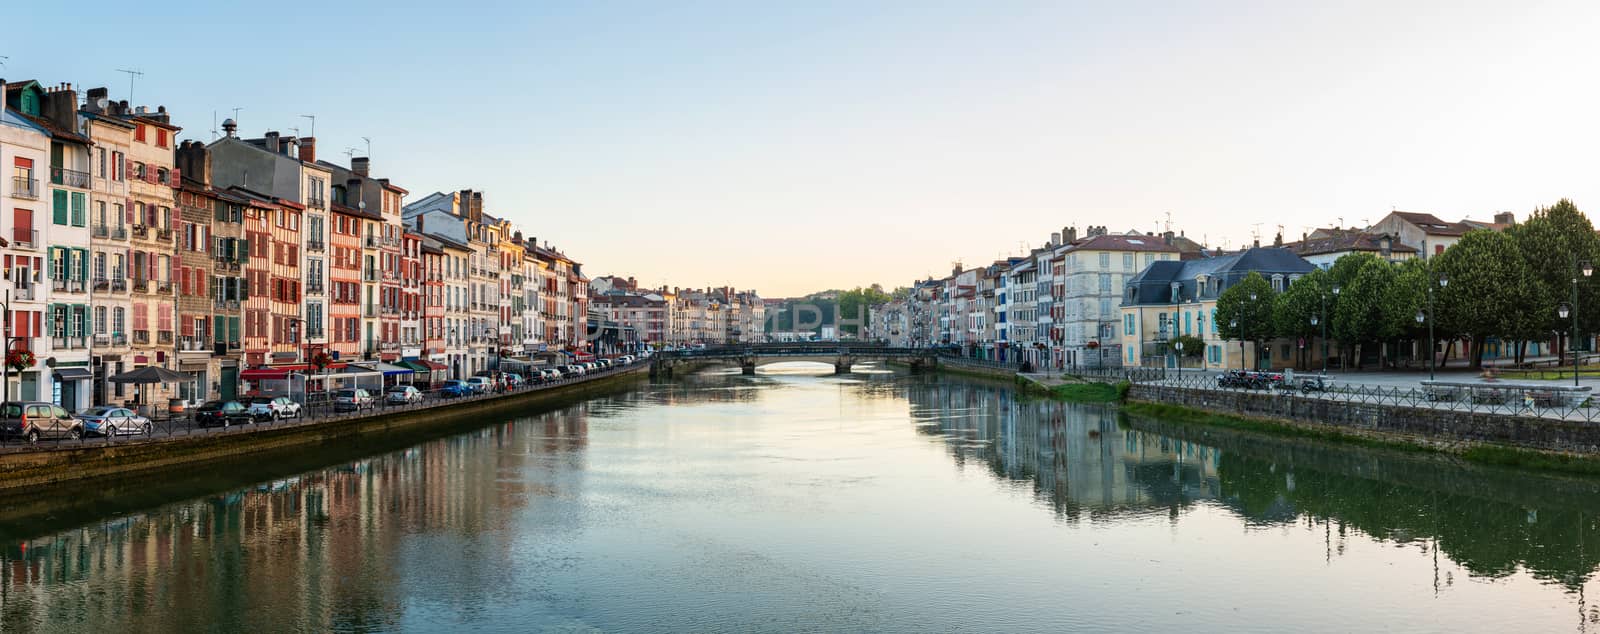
(132, 75)
(1169, 222)
(313, 119)
(236, 116)
(214, 134)
(369, 145)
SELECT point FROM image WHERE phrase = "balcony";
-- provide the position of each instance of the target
(101, 231)
(164, 288)
(369, 275)
(163, 235)
(317, 202)
(119, 232)
(371, 242)
(24, 293)
(389, 346)
(226, 304)
(67, 286)
(25, 238)
(141, 231)
(315, 245)
(23, 187)
(70, 343)
(193, 344)
(313, 288)
(369, 311)
(164, 337)
(102, 340)
(118, 284)
(141, 286)
(69, 178)
(141, 337)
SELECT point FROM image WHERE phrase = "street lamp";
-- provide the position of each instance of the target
(1323, 321)
(1234, 323)
(1179, 346)
(1587, 269)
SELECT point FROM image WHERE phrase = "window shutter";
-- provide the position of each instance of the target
(175, 177)
(127, 168)
(127, 209)
(244, 288)
(58, 199)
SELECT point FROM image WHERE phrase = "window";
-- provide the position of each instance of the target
(1105, 282)
(99, 320)
(1105, 261)
(1127, 261)
(100, 162)
(1127, 324)
(161, 137)
(80, 209)
(138, 135)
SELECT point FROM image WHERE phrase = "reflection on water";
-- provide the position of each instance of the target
(794, 500)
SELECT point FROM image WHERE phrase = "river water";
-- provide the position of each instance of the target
(795, 501)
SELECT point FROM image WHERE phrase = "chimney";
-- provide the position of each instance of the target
(1386, 245)
(1055, 239)
(272, 142)
(1069, 234)
(477, 206)
(361, 165)
(60, 106)
(230, 128)
(464, 203)
(1277, 241)
(94, 96)
(308, 149)
(1505, 218)
(1256, 244)
(1167, 237)
(194, 160)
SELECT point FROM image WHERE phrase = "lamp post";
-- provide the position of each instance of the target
(1234, 323)
(1443, 281)
(1244, 326)
(1586, 269)
(1323, 321)
(1179, 346)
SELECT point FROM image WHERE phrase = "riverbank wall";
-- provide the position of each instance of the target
(1435, 428)
(965, 367)
(70, 463)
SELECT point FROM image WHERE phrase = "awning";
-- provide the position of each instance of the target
(433, 365)
(264, 374)
(388, 369)
(416, 365)
(73, 374)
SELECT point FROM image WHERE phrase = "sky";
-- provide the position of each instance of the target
(790, 147)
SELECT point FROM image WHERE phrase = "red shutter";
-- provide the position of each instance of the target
(127, 209)
(128, 168)
(176, 176)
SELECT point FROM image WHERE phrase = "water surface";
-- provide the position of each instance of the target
(793, 501)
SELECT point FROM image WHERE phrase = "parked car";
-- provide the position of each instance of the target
(550, 374)
(454, 388)
(402, 395)
(109, 420)
(606, 364)
(353, 400)
(221, 413)
(626, 359)
(514, 380)
(575, 370)
(590, 366)
(265, 408)
(33, 420)
(480, 384)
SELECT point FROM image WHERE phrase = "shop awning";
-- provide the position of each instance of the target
(388, 369)
(416, 365)
(264, 374)
(73, 374)
(433, 365)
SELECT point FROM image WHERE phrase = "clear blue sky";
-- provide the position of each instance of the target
(798, 146)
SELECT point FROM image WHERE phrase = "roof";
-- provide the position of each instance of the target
(1153, 284)
(55, 131)
(1110, 242)
(1432, 225)
(1343, 240)
(352, 211)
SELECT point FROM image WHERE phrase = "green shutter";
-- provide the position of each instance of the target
(244, 251)
(80, 210)
(59, 205)
(83, 265)
(244, 288)
(233, 328)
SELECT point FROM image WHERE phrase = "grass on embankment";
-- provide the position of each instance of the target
(1492, 455)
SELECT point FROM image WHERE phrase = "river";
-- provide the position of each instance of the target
(795, 501)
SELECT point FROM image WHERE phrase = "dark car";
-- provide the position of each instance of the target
(454, 389)
(221, 413)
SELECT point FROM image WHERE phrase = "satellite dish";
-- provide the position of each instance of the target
(101, 103)
(361, 205)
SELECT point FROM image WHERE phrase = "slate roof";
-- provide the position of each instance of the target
(1153, 285)
(1110, 242)
(1339, 241)
(1432, 225)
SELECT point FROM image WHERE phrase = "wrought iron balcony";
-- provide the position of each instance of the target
(141, 337)
(164, 288)
(119, 232)
(315, 245)
(141, 231)
(118, 284)
(164, 337)
(102, 231)
(371, 242)
(69, 178)
(164, 235)
(317, 202)
(25, 238)
(24, 187)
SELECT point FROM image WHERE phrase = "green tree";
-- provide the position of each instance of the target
(1240, 318)
(1553, 241)
(1491, 292)
(1403, 300)
(1296, 306)
(1359, 319)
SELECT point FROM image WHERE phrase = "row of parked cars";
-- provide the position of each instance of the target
(32, 420)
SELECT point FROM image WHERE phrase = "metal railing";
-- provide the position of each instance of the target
(119, 232)
(141, 337)
(26, 238)
(141, 231)
(315, 245)
(23, 187)
(69, 178)
(164, 337)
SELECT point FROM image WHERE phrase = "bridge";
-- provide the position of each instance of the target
(839, 354)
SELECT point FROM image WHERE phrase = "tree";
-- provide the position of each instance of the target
(1492, 290)
(1552, 241)
(1296, 306)
(1359, 318)
(1192, 346)
(1403, 300)
(1239, 318)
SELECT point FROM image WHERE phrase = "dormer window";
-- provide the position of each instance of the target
(1277, 283)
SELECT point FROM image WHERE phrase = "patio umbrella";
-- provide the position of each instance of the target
(147, 375)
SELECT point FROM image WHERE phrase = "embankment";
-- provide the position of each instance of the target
(85, 465)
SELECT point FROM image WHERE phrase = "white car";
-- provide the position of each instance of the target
(575, 370)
